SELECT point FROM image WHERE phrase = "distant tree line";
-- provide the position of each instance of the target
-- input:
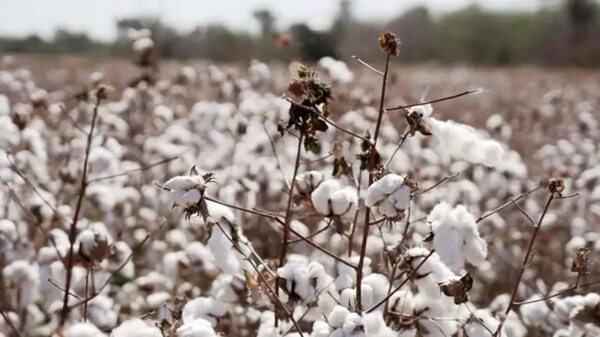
(563, 35)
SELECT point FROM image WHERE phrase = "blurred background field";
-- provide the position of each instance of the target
(506, 32)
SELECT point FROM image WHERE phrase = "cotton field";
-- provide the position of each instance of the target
(187, 199)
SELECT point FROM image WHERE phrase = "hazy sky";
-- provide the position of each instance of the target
(97, 17)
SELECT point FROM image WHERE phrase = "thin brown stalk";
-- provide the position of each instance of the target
(508, 203)
(371, 167)
(560, 293)
(288, 210)
(525, 263)
(443, 180)
(368, 66)
(276, 156)
(282, 223)
(328, 121)
(128, 172)
(10, 324)
(400, 107)
(73, 228)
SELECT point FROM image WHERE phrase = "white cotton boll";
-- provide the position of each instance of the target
(308, 181)
(344, 201)
(379, 283)
(219, 213)
(196, 328)
(184, 182)
(535, 314)
(143, 44)
(574, 244)
(321, 195)
(258, 71)
(352, 323)
(348, 298)
(85, 330)
(203, 308)
(191, 197)
(337, 316)
(222, 250)
(402, 302)
(320, 329)
(337, 70)
(136, 328)
(25, 276)
(464, 142)
(164, 112)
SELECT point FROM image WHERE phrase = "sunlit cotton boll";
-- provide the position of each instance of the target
(85, 330)
(389, 196)
(337, 70)
(456, 238)
(136, 328)
(330, 198)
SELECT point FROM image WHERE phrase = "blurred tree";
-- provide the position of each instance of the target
(312, 45)
(266, 21)
(581, 15)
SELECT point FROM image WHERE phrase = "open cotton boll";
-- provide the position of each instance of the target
(196, 328)
(464, 142)
(308, 181)
(330, 198)
(388, 196)
(136, 328)
(456, 238)
(87, 330)
(24, 276)
(205, 308)
(337, 316)
(337, 70)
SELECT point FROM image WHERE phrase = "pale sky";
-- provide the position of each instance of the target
(97, 17)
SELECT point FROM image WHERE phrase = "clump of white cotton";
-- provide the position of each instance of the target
(85, 330)
(308, 181)
(136, 328)
(306, 281)
(388, 196)
(461, 141)
(456, 238)
(185, 191)
(331, 199)
(337, 70)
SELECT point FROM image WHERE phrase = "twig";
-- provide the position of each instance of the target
(10, 323)
(139, 169)
(313, 234)
(276, 156)
(57, 286)
(508, 203)
(73, 229)
(282, 223)
(112, 275)
(524, 264)
(405, 135)
(371, 167)
(368, 66)
(326, 120)
(408, 277)
(524, 213)
(419, 193)
(562, 292)
(288, 210)
(400, 107)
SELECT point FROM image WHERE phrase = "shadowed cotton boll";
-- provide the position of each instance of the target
(330, 198)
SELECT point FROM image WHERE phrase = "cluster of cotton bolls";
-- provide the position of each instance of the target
(158, 251)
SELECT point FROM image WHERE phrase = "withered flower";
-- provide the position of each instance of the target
(390, 43)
